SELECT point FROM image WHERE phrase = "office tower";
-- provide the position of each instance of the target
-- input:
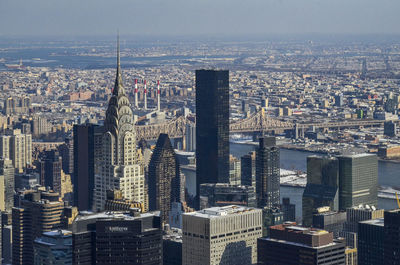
(119, 168)
(330, 221)
(389, 128)
(354, 216)
(37, 212)
(289, 244)
(172, 247)
(392, 237)
(52, 164)
(6, 185)
(267, 172)
(115, 202)
(371, 242)
(203, 232)
(289, 210)
(87, 150)
(212, 128)
(322, 186)
(117, 238)
(358, 180)
(248, 169)
(339, 100)
(234, 170)
(190, 137)
(271, 217)
(66, 151)
(222, 194)
(18, 148)
(54, 247)
(164, 178)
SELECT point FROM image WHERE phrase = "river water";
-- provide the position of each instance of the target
(388, 174)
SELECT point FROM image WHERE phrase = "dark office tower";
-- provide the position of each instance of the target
(212, 128)
(358, 180)
(289, 210)
(129, 241)
(84, 158)
(7, 186)
(66, 151)
(392, 237)
(322, 186)
(248, 169)
(164, 178)
(289, 244)
(371, 242)
(267, 173)
(52, 170)
(38, 212)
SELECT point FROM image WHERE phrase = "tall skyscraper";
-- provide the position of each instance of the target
(358, 180)
(212, 128)
(87, 146)
(7, 184)
(322, 186)
(268, 173)
(221, 235)
(392, 237)
(164, 178)
(119, 168)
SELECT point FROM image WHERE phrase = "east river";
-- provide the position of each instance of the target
(388, 174)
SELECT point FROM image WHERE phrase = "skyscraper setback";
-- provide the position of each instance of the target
(212, 128)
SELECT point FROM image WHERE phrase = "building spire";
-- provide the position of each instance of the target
(118, 87)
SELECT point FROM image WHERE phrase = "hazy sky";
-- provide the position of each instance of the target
(206, 17)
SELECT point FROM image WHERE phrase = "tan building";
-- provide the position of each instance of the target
(18, 148)
(351, 256)
(221, 235)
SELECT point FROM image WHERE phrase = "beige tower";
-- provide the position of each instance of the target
(221, 235)
(119, 168)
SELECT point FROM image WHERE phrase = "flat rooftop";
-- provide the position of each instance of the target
(378, 222)
(215, 212)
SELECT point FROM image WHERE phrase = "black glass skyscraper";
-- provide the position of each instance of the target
(392, 237)
(164, 178)
(267, 173)
(212, 128)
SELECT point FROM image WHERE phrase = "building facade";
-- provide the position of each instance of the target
(392, 237)
(119, 168)
(289, 244)
(268, 173)
(54, 247)
(358, 180)
(221, 235)
(212, 128)
(370, 244)
(322, 186)
(164, 178)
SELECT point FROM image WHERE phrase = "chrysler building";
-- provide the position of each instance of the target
(119, 167)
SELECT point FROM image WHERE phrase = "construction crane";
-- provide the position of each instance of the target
(398, 201)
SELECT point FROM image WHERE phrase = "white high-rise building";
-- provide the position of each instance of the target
(18, 148)
(119, 168)
(221, 235)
